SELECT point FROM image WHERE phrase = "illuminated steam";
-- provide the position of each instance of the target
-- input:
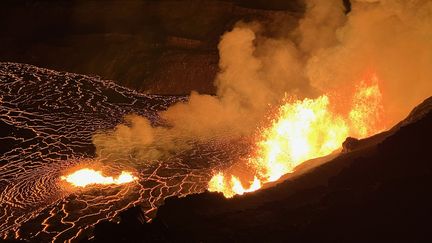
(327, 52)
(391, 37)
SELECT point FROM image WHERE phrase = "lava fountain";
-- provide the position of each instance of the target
(86, 176)
(303, 130)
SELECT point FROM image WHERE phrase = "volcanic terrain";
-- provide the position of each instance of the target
(47, 121)
(377, 190)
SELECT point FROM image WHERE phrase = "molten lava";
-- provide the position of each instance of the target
(365, 115)
(303, 130)
(85, 177)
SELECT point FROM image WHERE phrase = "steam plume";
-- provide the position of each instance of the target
(326, 51)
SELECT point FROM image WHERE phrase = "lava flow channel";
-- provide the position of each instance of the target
(303, 130)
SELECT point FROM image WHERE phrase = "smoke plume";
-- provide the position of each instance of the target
(328, 50)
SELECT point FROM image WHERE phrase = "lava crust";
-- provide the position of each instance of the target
(47, 121)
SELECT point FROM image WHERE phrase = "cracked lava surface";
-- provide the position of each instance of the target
(47, 120)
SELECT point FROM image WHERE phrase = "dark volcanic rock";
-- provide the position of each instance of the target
(165, 47)
(132, 228)
(350, 144)
(378, 193)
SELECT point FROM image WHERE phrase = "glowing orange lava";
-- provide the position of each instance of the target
(365, 115)
(303, 130)
(85, 177)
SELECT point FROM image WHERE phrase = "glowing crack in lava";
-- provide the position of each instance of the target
(85, 177)
(303, 130)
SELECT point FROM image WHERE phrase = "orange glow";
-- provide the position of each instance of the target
(85, 177)
(303, 130)
(365, 115)
(232, 187)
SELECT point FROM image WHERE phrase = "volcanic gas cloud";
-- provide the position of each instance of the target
(297, 88)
